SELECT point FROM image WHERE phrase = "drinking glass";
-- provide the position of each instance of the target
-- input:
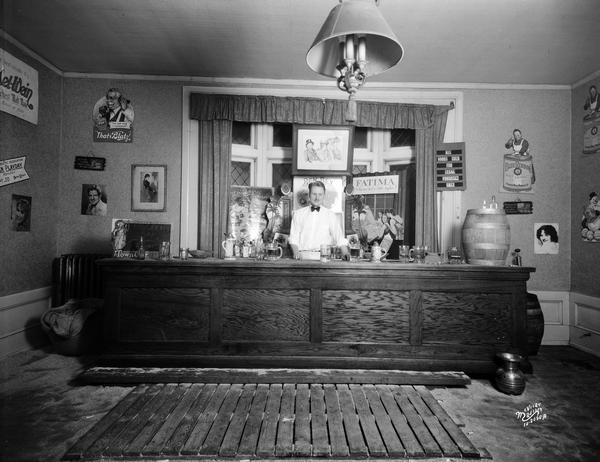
(325, 253)
(419, 253)
(404, 253)
(354, 252)
(164, 252)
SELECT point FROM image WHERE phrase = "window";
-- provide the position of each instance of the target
(450, 214)
(241, 173)
(261, 156)
(402, 137)
(264, 151)
(283, 135)
(360, 137)
(240, 133)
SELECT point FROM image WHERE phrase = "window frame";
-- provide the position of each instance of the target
(449, 202)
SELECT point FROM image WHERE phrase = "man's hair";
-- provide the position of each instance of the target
(95, 188)
(316, 184)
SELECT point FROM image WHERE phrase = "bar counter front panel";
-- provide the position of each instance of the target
(308, 314)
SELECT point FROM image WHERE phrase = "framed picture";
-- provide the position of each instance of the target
(322, 150)
(93, 199)
(546, 238)
(148, 188)
(20, 213)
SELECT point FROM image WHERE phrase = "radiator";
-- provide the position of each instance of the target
(76, 276)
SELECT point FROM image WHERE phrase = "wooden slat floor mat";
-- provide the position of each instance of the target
(266, 421)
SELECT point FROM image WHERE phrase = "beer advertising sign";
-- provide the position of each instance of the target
(18, 88)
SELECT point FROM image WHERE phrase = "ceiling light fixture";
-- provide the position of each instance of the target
(354, 42)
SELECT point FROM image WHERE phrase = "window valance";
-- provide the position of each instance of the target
(276, 109)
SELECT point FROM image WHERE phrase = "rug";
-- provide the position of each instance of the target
(198, 421)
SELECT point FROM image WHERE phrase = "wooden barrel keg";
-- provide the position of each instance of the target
(486, 237)
(535, 324)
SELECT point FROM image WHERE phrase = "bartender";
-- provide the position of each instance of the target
(315, 225)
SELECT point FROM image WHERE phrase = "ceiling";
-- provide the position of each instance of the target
(549, 42)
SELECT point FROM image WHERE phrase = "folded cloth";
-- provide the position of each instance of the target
(68, 320)
(310, 254)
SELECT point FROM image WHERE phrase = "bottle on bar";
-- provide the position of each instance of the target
(141, 253)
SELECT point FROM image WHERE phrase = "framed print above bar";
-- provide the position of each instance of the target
(322, 150)
(148, 188)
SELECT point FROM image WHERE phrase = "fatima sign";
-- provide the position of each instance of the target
(375, 184)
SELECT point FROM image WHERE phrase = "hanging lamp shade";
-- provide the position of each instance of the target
(361, 19)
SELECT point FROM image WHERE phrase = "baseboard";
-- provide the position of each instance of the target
(20, 328)
(585, 323)
(555, 306)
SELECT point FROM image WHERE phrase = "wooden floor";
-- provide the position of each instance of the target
(249, 421)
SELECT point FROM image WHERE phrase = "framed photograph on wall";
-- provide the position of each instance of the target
(322, 150)
(148, 188)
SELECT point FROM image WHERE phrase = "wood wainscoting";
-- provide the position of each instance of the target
(20, 328)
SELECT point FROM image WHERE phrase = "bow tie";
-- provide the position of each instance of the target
(313, 208)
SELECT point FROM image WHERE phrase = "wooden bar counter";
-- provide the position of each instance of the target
(308, 314)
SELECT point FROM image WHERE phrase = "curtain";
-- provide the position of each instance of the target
(406, 196)
(216, 113)
(213, 188)
(426, 142)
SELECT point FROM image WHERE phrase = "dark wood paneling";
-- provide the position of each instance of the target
(416, 317)
(365, 316)
(262, 314)
(466, 318)
(164, 315)
(298, 314)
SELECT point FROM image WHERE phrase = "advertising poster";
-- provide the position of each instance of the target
(12, 171)
(591, 122)
(126, 236)
(334, 191)
(518, 174)
(113, 118)
(590, 220)
(18, 88)
(252, 211)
